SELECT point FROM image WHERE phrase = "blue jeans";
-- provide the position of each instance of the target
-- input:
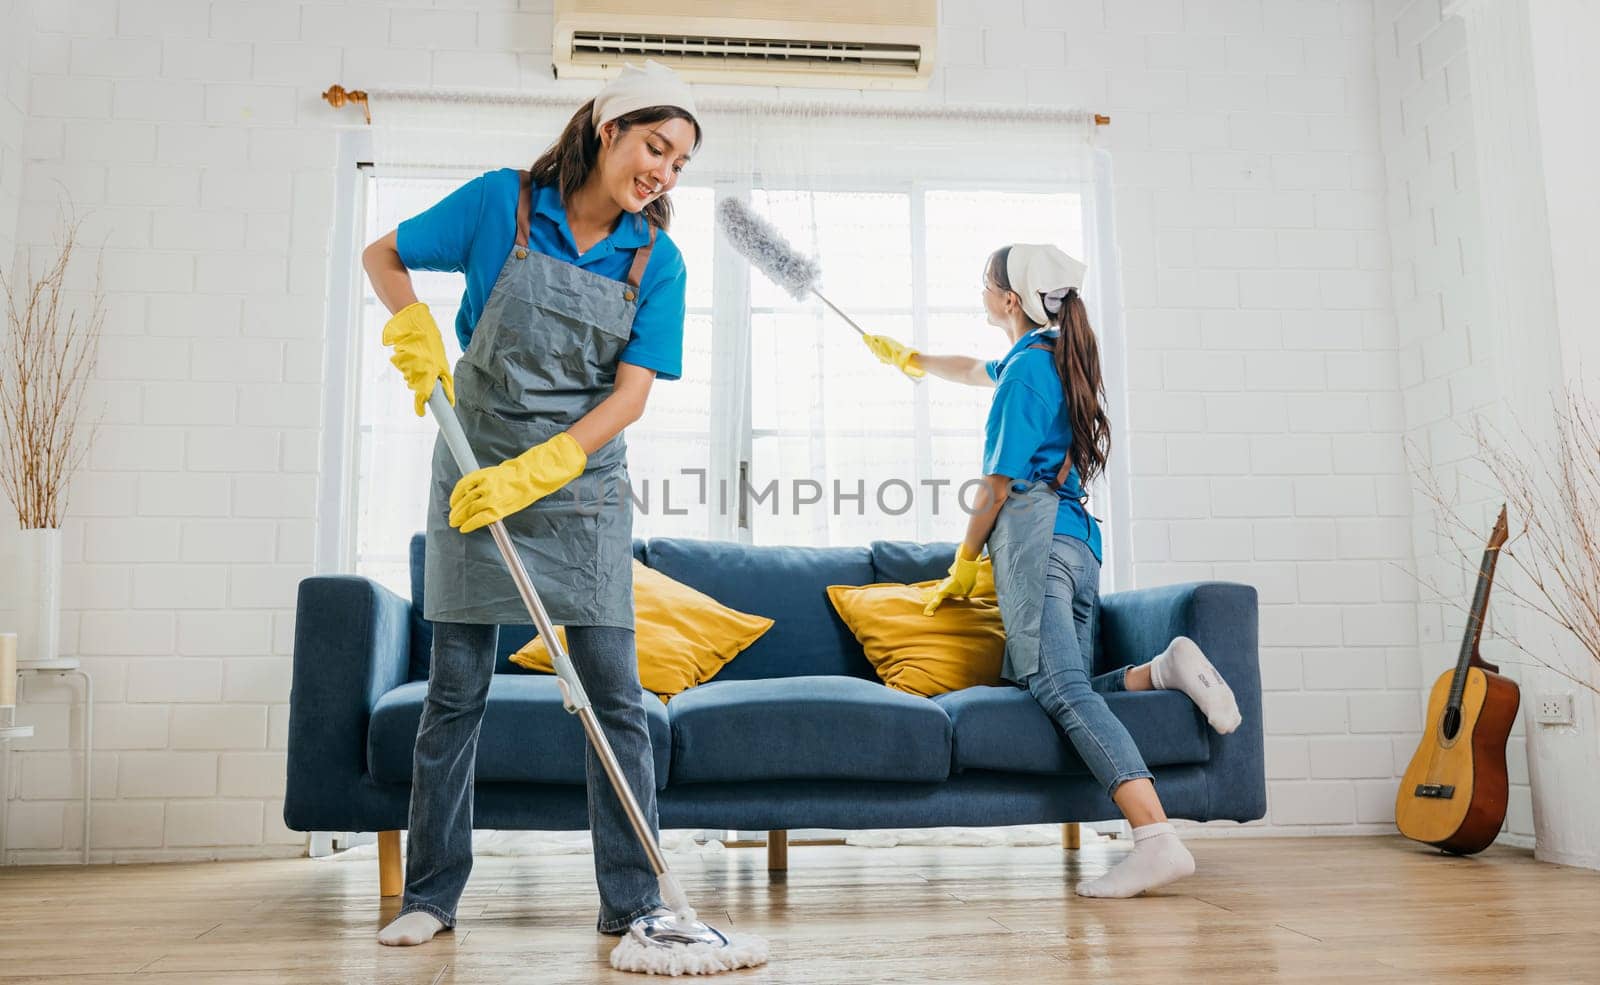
(1062, 685)
(439, 852)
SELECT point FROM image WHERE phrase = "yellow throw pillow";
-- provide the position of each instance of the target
(961, 645)
(683, 637)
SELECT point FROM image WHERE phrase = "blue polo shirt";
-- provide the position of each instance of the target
(473, 229)
(1029, 430)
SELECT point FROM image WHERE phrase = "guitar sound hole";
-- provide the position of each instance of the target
(1450, 724)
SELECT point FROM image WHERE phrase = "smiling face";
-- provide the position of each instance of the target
(639, 164)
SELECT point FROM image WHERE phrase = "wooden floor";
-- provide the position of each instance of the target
(1368, 910)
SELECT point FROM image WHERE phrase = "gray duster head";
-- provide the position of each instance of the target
(766, 249)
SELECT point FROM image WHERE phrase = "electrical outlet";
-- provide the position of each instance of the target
(1553, 708)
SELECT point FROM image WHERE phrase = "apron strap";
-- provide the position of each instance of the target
(1066, 466)
(524, 207)
(641, 259)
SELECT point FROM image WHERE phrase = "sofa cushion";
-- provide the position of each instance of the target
(958, 646)
(785, 584)
(528, 736)
(806, 728)
(683, 637)
(1003, 728)
(512, 638)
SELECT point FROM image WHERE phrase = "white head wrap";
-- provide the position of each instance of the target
(640, 88)
(1042, 275)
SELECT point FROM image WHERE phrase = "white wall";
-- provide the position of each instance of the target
(1447, 346)
(1492, 213)
(17, 15)
(1565, 79)
(1264, 400)
(1266, 410)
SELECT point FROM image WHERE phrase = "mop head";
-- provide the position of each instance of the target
(766, 249)
(741, 951)
(659, 954)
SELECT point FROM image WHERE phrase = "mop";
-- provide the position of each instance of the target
(674, 943)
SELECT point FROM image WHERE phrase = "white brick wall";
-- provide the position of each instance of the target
(1436, 234)
(1266, 369)
(1263, 392)
(14, 95)
(189, 128)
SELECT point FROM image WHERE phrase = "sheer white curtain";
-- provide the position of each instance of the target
(783, 429)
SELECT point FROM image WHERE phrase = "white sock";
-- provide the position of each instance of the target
(1184, 668)
(411, 928)
(1158, 857)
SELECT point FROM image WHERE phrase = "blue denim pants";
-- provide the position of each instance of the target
(1062, 684)
(439, 849)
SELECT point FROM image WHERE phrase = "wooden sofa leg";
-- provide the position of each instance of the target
(1071, 836)
(391, 869)
(778, 851)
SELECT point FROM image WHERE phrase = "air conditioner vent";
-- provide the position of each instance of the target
(844, 44)
(748, 51)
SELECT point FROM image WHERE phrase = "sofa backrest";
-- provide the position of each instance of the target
(786, 584)
(909, 562)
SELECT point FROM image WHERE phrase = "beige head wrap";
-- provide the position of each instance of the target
(640, 88)
(1041, 275)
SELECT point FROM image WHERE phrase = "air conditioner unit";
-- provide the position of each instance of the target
(855, 44)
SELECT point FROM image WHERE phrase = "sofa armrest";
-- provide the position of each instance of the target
(1222, 618)
(352, 645)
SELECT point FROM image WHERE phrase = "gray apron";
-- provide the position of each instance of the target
(543, 354)
(1019, 548)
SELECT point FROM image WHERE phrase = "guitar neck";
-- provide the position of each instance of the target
(1475, 619)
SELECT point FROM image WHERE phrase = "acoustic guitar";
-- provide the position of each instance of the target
(1453, 795)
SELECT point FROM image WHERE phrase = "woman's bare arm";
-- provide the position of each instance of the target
(391, 281)
(957, 369)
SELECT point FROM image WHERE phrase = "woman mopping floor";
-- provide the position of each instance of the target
(574, 305)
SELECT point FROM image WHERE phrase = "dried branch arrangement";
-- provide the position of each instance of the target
(1551, 489)
(47, 360)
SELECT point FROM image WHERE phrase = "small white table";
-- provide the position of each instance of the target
(66, 666)
(8, 732)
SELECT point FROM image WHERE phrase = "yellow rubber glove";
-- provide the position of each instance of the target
(963, 578)
(419, 353)
(896, 354)
(494, 493)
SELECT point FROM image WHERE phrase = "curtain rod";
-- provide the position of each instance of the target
(338, 96)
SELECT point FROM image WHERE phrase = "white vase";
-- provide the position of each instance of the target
(1561, 764)
(38, 576)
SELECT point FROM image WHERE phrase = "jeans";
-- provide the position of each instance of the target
(439, 853)
(1066, 656)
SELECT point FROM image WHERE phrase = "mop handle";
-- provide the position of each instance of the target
(572, 693)
(841, 314)
(858, 328)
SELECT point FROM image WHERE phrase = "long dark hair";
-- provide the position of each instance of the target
(1077, 359)
(568, 162)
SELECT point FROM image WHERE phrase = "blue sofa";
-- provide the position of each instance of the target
(796, 732)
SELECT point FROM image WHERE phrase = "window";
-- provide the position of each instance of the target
(776, 394)
(907, 264)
